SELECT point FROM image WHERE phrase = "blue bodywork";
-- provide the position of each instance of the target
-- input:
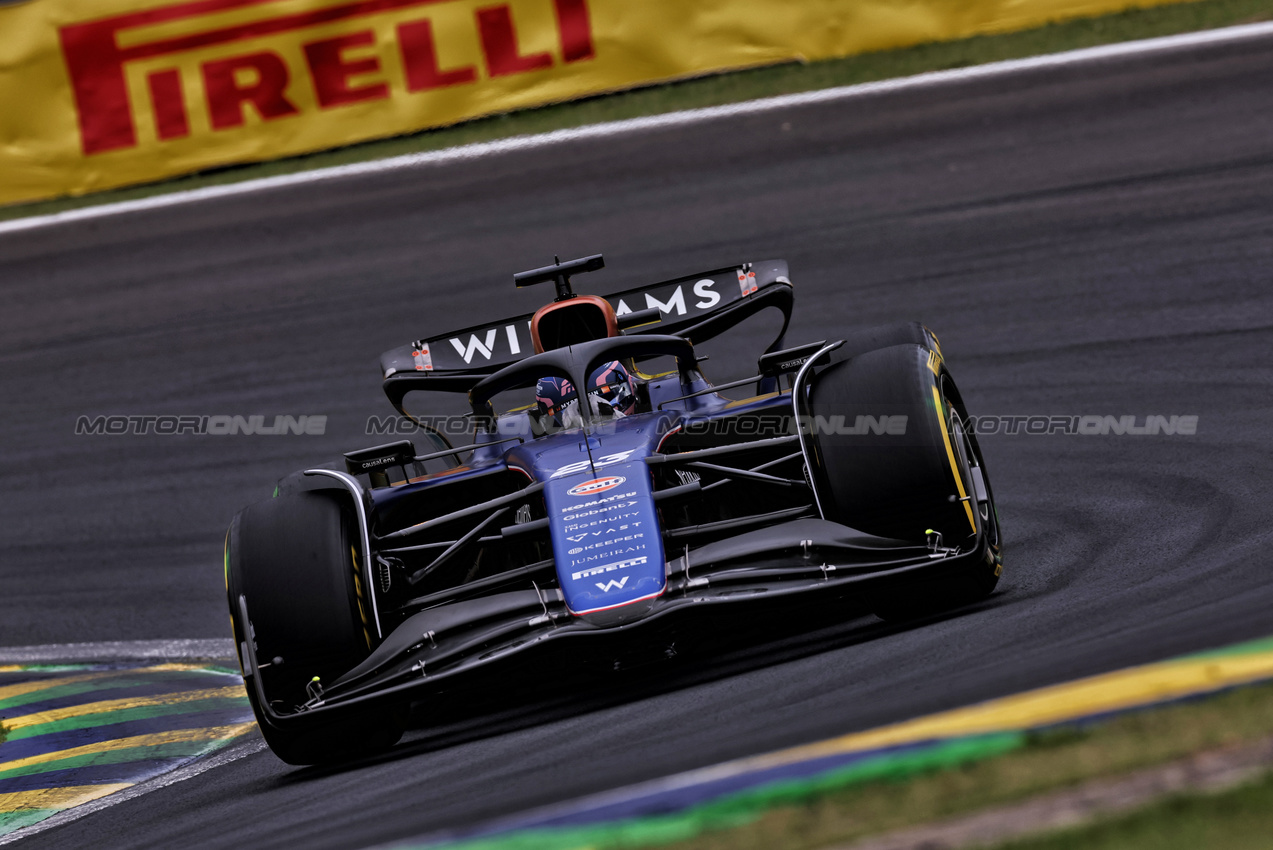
(602, 516)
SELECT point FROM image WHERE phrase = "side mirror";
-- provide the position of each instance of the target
(777, 363)
(377, 458)
(640, 318)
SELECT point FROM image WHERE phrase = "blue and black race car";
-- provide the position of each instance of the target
(596, 486)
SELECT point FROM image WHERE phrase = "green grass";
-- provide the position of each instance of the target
(1050, 761)
(1240, 819)
(725, 88)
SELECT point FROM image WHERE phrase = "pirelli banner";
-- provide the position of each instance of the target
(96, 94)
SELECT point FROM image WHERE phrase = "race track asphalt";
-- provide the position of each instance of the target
(1096, 239)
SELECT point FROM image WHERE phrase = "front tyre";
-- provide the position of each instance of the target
(904, 478)
(294, 559)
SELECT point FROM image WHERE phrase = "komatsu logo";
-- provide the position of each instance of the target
(596, 485)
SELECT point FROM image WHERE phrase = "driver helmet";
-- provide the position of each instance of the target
(553, 395)
(611, 387)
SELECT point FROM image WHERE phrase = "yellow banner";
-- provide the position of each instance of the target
(96, 94)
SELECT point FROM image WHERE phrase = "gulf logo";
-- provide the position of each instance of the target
(596, 485)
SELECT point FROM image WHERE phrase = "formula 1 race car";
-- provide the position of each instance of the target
(602, 486)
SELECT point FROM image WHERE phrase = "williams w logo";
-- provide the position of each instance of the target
(476, 345)
(612, 584)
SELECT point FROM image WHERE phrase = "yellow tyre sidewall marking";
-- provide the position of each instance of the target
(362, 608)
(950, 455)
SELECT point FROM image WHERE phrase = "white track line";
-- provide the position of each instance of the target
(232, 753)
(654, 122)
(119, 650)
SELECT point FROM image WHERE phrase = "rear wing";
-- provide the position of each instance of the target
(696, 307)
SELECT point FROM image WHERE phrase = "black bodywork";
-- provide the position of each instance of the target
(464, 554)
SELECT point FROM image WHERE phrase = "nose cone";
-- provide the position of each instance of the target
(606, 542)
(624, 612)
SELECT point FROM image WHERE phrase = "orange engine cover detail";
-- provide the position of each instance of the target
(575, 320)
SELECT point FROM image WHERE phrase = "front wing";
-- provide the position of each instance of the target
(775, 564)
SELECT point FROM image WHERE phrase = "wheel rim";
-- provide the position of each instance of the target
(969, 458)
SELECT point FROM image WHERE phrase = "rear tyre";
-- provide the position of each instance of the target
(295, 560)
(903, 478)
(864, 340)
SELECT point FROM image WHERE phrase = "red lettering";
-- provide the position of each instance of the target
(575, 30)
(101, 93)
(226, 97)
(420, 58)
(170, 104)
(499, 44)
(95, 61)
(331, 71)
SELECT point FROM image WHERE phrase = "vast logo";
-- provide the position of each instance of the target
(341, 69)
(596, 485)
